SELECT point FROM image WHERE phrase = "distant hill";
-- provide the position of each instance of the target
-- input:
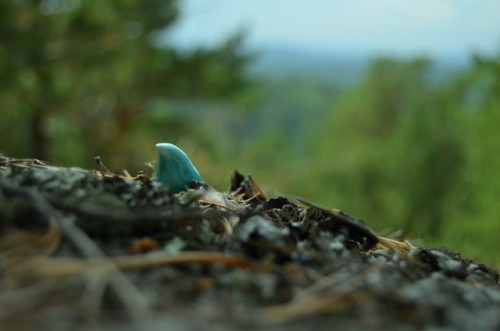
(288, 62)
(339, 69)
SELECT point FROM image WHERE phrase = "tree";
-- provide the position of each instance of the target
(83, 74)
(391, 148)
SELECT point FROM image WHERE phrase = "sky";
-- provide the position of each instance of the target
(439, 28)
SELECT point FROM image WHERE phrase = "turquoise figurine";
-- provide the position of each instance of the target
(174, 169)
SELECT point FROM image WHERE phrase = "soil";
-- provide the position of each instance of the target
(90, 250)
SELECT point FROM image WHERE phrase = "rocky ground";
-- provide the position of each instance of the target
(90, 250)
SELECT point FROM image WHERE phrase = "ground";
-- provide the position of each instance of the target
(84, 249)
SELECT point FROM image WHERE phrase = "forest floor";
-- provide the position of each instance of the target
(91, 250)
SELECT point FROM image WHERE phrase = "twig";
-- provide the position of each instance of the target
(209, 202)
(102, 168)
(64, 267)
(257, 188)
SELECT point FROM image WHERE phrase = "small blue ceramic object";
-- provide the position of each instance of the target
(175, 170)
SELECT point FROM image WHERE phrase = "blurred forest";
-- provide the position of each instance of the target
(399, 148)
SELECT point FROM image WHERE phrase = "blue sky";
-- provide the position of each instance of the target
(400, 27)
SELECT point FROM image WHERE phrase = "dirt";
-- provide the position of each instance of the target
(90, 250)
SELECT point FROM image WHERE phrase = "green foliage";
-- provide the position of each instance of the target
(83, 76)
